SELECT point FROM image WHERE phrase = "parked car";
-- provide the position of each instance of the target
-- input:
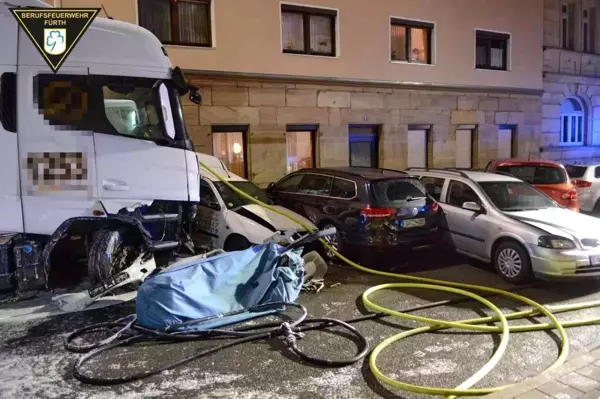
(378, 209)
(229, 221)
(548, 176)
(586, 179)
(519, 229)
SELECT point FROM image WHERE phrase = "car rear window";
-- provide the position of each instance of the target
(534, 174)
(390, 192)
(575, 171)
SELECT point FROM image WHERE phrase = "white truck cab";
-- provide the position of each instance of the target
(95, 158)
(228, 220)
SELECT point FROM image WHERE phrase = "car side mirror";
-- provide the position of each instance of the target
(473, 206)
(270, 188)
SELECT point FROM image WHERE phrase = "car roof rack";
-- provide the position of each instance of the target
(445, 170)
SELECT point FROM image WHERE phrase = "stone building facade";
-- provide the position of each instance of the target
(265, 111)
(571, 81)
(393, 84)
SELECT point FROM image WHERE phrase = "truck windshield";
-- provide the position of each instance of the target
(234, 200)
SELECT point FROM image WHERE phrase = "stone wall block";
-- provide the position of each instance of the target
(333, 99)
(267, 96)
(301, 98)
(230, 96)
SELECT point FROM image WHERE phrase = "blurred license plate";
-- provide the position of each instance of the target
(413, 223)
(595, 260)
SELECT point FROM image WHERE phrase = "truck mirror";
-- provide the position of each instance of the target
(195, 96)
(163, 109)
(179, 81)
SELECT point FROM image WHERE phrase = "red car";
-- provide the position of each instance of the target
(547, 176)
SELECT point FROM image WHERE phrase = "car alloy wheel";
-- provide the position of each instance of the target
(332, 240)
(509, 262)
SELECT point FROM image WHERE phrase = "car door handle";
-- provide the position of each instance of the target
(114, 185)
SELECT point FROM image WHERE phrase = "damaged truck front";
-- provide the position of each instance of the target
(97, 168)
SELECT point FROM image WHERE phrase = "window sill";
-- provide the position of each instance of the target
(570, 147)
(492, 70)
(312, 55)
(411, 63)
(189, 47)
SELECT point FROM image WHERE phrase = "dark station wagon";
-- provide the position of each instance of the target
(372, 208)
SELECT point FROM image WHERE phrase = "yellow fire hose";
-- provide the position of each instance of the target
(464, 389)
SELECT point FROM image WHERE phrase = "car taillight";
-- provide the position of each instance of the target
(570, 195)
(582, 183)
(435, 206)
(369, 212)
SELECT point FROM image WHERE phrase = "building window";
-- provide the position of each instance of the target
(572, 122)
(507, 141)
(364, 146)
(229, 145)
(589, 30)
(411, 41)
(308, 30)
(418, 138)
(181, 22)
(464, 147)
(567, 26)
(300, 147)
(492, 50)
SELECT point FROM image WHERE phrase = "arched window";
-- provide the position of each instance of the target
(572, 122)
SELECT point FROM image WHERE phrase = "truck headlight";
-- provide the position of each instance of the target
(555, 242)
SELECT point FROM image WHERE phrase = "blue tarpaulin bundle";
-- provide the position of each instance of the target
(220, 290)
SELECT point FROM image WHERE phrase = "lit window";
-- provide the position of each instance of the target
(411, 41)
(308, 30)
(229, 147)
(300, 150)
(491, 50)
(572, 117)
(181, 22)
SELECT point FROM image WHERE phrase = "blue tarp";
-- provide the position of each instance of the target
(227, 283)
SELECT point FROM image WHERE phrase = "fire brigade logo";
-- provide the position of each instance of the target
(47, 28)
(55, 41)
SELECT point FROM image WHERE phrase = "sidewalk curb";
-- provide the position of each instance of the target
(579, 361)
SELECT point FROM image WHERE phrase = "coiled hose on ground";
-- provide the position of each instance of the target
(477, 324)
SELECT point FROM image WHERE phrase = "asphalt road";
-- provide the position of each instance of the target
(33, 363)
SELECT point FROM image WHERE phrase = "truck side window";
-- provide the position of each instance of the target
(131, 111)
(64, 100)
(8, 101)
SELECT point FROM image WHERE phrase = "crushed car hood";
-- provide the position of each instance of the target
(273, 219)
(561, 222)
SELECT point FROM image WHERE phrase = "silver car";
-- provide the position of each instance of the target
(503, 220)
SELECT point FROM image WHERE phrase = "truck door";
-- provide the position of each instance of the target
(56, 146)
(10, 198)
(136, 159)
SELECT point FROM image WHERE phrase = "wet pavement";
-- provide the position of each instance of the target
(33, 363)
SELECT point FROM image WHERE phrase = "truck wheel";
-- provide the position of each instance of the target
(512, 262)
(236, 242)
(110, 253)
